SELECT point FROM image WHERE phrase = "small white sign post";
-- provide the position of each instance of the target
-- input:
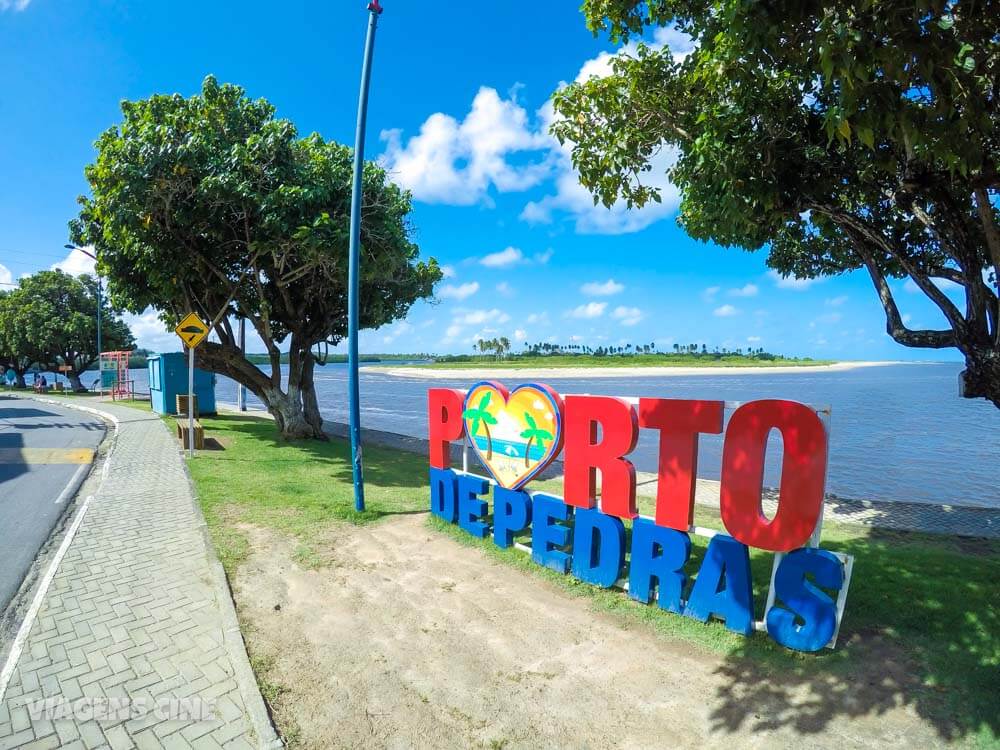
(192, 331)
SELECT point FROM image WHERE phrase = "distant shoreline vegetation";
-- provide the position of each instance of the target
(497, 351)
(459, 361)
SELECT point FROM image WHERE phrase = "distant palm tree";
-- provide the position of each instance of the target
(534, 432)
(480, 415)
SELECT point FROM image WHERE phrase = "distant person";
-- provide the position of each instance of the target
(41, 384)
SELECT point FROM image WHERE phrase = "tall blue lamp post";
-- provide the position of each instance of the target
(353, 272)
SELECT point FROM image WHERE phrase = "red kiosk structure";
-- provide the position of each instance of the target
(114, 375)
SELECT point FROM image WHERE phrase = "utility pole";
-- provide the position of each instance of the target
(100, 373)
(241, 390)
(353, 273)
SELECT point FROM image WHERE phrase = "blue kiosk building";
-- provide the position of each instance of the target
(168, 378)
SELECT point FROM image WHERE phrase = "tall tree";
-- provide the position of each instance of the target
(842, 135)
(51, 319)
(210, 204)
(16, 350)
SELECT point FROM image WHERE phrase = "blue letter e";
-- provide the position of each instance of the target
(805, 602)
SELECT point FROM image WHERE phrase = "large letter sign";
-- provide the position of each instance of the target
(596, 532)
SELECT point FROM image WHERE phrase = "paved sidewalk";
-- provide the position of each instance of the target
(137, 611)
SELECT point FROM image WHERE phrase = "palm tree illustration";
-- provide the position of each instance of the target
(479, 415)
(534, 432)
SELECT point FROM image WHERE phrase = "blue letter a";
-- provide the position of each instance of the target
(723, 587)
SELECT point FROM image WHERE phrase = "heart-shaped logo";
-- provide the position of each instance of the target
(516, 434)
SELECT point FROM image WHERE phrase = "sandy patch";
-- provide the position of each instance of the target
(409, 639)
(486, 371)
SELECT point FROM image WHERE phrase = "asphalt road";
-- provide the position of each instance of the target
(45, 451)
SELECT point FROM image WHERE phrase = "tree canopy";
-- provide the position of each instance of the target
(50, 319)
(841, 135)
(210, 204)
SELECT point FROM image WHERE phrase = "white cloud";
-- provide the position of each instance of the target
(76, 263)
(150, 332)
(536, 318)
(589, 310)
(505, 289)
(577, 202)
(520, 334)
(709, 294)
(14, 5)
(791, 282)
(458, 292)
(748, 290)
(543, 257)
(628, 316)
(502, 259)
(602, 288)
(478, 317)
(396, 330)
(725, 311)
(6, 277)
(459, 162)
(448, 272)
(513, 256)
(837, 301)
(572, 198)
(753, 339)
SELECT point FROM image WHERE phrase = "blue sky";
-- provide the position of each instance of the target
(458, 114)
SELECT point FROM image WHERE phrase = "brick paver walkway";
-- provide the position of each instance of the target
(135, 612)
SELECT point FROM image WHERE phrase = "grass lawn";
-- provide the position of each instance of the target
(637, 360)
(928, 605)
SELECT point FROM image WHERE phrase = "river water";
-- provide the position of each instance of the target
(898, 432)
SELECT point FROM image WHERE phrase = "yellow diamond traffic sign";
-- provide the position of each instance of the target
(191, 330)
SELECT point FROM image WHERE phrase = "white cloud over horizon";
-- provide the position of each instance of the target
(602, 288)
(76, 263)
(502, 259)
(458, 163)
(498, 146)
(628, 316)
(791, 282)
(14, 5)
(457, 291)
(747, 290)
(588, 311)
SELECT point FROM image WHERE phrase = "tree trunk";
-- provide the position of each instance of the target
(981, 376)
(310, 404)
(295, 410)
(20, 380)
(290, 417)
(74, 383)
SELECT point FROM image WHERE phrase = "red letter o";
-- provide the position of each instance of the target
(803, 474)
